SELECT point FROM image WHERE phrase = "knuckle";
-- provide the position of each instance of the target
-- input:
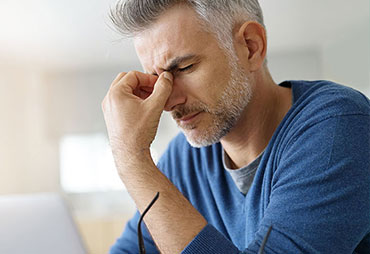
(129, 76)
(120, 75)
(132, 73)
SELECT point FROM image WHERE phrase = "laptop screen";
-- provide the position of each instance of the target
(37, 224)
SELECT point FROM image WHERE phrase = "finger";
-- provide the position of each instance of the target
(133, 80)
(143, 92)
(118, 78)
(162, 90)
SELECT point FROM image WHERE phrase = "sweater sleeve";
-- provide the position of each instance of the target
(127, 243)
(320, 194)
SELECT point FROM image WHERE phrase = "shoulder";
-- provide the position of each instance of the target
(318, 101)
(319, 110)
(328, 99)
(326, 131)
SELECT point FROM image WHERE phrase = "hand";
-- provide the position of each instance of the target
(132, 109)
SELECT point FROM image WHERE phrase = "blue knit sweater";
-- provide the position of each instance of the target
(312, 185)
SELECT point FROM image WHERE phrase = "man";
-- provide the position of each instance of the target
(253, 155)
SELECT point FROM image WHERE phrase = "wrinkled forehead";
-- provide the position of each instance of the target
(177, 32)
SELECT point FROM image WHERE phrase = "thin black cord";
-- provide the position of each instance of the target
(139, 233)
(261, 250)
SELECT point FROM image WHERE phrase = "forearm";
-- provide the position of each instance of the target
(132, 119)
(173, 222)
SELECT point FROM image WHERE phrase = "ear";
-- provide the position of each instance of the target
(251, 44)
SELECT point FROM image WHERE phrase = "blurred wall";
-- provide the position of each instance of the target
(347, 58)
(28, 158)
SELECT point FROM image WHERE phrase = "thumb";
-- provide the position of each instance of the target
(162, 90)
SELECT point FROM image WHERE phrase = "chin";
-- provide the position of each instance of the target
(200, 139)
(198, 144)
(207, 133)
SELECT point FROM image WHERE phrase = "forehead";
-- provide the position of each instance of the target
(177, 32)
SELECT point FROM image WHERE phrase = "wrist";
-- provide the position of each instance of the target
(123, 147)
(132, 159)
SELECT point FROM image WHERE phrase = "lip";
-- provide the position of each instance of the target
(189, 118)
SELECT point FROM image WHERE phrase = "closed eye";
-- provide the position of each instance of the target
(185, 68)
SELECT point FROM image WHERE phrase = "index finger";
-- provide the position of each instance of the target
(134, 80)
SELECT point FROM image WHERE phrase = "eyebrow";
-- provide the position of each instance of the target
(174, 64)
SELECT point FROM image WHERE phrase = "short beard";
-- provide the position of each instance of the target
(227, 111)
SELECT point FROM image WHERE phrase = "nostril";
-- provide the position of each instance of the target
(174, 101)
(177, 97)
(169, 107)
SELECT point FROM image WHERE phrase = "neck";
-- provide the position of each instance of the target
(267, 108)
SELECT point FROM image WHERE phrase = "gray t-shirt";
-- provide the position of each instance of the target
(243, 177)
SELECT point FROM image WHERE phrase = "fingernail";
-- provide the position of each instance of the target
(168, 75)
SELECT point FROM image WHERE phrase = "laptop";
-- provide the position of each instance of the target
(37, 224)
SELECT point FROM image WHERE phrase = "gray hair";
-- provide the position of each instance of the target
(130, 17)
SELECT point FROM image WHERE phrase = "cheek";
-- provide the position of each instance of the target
(201, 87)
(195, 85)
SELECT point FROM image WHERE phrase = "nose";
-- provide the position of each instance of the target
(177, 96)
